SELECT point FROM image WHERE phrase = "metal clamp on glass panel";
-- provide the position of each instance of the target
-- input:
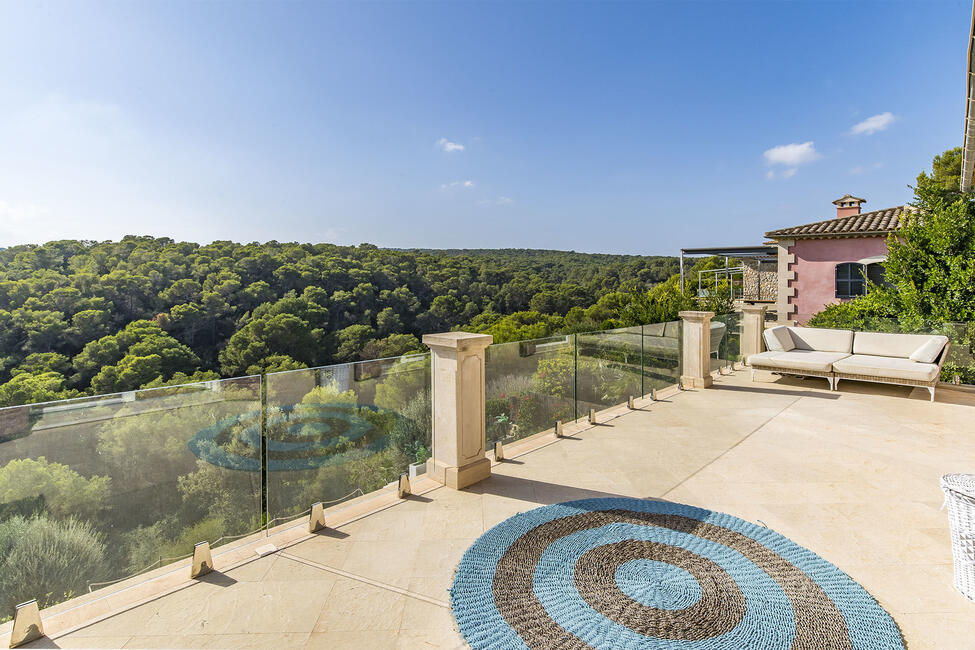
(27, 624)
(653, 394)
(316, 521)
(498, 451)
(404, 489)
(202, 560)
(558, 429)
(592, 416)
(629, 403)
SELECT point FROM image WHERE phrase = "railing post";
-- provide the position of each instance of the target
(27, 624)
(753, 324)
(696, 349)
(457, 370)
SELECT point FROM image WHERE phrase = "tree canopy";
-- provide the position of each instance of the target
(85, 317)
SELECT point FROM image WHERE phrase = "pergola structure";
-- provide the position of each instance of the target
(761, 254)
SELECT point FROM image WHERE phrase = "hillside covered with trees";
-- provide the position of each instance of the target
(81, 317)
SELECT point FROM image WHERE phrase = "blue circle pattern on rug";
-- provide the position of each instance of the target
(657, 584)
(768, 620)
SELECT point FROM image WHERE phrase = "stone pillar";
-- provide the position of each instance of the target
(457, 372)
(752, 326)
(696, 354)
(783, 308)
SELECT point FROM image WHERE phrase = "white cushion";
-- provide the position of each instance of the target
(778, 339)
(797, 360)
(928, 353)
(886, 367)
(882, 344)
(822, 340)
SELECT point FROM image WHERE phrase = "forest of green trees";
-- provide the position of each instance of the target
(81, 317)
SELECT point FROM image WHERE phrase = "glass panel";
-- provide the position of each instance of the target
(661, 355)
(725, 340)
(529, 385)
(609, 368)
(97, 489)
(336, 432)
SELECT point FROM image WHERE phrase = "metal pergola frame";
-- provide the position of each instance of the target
(760, 253)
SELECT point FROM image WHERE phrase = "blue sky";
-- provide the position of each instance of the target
(605, 127)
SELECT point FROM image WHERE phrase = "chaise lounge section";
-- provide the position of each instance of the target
(902, 359)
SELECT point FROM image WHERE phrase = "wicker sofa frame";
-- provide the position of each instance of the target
(828, 375)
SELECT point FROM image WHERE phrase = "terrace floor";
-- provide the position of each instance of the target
(852, 475)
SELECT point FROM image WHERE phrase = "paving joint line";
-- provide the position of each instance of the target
(732, 447)
(363, 579)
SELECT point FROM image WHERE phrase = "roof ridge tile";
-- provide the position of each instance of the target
(873, 222)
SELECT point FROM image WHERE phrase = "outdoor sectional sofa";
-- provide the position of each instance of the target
(903, 359)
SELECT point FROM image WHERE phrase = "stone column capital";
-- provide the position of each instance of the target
(696, 316)
(461, 341)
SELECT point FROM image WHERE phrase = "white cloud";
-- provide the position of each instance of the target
(467, 185)
(448, 146)
(873, 124)
(791, 155)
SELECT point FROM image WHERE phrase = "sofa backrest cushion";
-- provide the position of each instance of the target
(778, 339)
(928, 352)
(822, 340)
(883, 344)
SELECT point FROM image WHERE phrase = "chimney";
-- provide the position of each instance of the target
(848, 205)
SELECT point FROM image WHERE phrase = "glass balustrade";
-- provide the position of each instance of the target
(337, 432)
(98, 489)
(529, 385)
(115, 485)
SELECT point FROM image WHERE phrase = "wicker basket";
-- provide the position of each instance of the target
(960, 496)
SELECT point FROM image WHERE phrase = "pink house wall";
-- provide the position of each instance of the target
(815, 268)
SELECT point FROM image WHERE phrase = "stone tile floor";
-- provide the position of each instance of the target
(852, 475)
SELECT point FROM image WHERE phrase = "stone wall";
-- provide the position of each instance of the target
(769, 280)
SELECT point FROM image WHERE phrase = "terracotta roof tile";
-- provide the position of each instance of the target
(878, 222)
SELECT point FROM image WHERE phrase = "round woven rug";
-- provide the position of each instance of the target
(629, 573)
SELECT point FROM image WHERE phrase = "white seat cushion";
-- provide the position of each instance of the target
(886, 367)
(798, 360)
(883, 344)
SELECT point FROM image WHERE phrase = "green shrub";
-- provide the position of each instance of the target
(47, 560)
